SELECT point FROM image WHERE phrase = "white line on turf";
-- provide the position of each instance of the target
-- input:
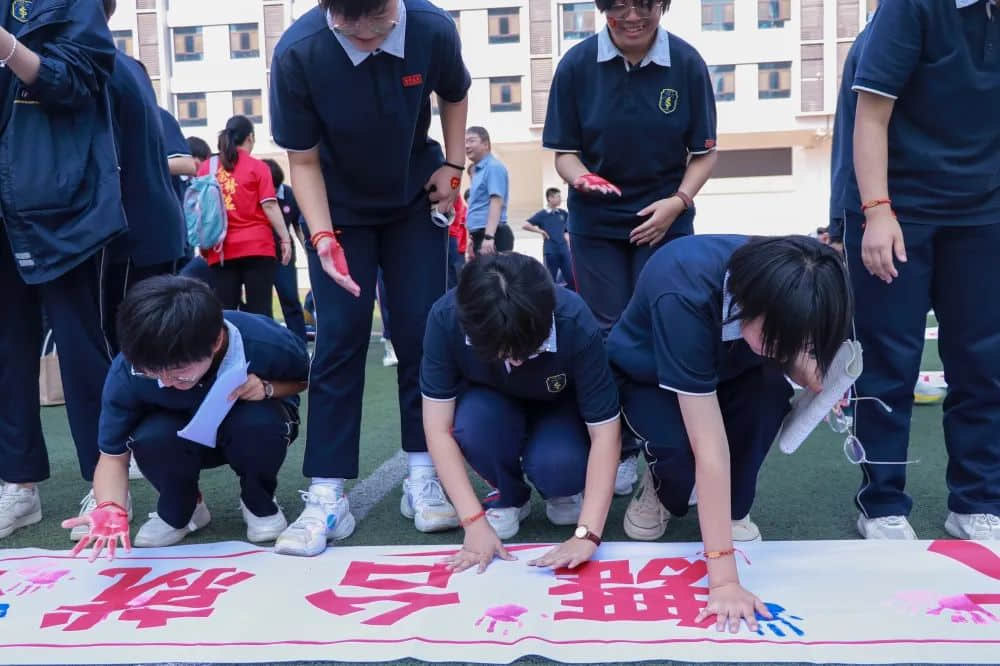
(370, 491)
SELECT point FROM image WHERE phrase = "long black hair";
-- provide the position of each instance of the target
(238, 128)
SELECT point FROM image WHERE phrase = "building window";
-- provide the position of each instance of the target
(192, 111)
(811, 76)
(753, 163)
(123, 41)
(456, 16)
(247, 103)
(505, 93)
(773, 13)
(505, 25)
(244, 41)
(811, 20)
(717, 15)
(145, 4)
(848, 18)
(188, 44)
(577, 20)
(871, 7)
(774, 80)
(723, 82)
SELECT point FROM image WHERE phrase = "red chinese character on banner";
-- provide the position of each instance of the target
(664, 589)
(178, 594)
(375, 576)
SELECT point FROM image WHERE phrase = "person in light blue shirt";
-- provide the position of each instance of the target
(489, 192)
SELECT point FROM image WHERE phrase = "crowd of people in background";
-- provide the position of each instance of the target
(636, 337)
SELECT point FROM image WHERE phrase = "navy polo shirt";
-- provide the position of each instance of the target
(844, 194)
(553, 222)
(273, 352)
(13, 26)
(370, 121)
(156, 224)
(940, 61)
(671, 334)
(489, 179)
(635, 126)
(572, 361)
(176, 146)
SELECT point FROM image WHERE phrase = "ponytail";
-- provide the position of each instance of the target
(231, 138)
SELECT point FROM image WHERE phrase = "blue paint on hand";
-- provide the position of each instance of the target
(778, 622)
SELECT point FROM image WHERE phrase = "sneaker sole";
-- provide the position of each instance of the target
(562, 521)
(638, 533)
(425, 526)
(24, 521)
(145, 543)
(265, 536)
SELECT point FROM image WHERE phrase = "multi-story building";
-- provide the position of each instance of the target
(775, 66)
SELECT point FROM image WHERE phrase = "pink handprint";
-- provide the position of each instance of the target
(506, 614)
(963, 609)
(34, 579)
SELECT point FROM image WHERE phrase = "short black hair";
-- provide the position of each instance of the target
(552, 190)
(800, 288)
(109, 8)
(505, 305)
(277, 173)
(167, 322)
(605, 5)
(199, 148)
(353, 9)
(481, 132)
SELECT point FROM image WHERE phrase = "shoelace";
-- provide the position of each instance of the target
(429, 491)
(891, 521)
(985, 520)
(88, 503)
(649, 501)
(8, 498)
(311, 498)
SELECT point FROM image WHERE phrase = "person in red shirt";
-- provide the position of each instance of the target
(247, 257)
(457, 242)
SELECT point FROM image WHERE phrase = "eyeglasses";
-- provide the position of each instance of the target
(376, 25)
(619, 10)
(854, 450)
(163, 377)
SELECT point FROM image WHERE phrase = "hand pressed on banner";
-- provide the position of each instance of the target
(480, 546)
(594, 184)
(883, 238)
(730, 603)
(252, 390)
(661, 214)
(442, 187)
(334, 262)
(108, 524)
(569, 554)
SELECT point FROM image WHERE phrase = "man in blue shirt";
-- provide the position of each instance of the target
(550, 222)
(922, 231)
(516, 382)
(488, 195)
(176, 341)
(350, 100)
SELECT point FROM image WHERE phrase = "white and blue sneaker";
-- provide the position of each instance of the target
(424, 502)
(327, 517)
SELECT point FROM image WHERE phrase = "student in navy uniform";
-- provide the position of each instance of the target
(924, 231)
(516, 382)
(702, 351)
(353, 109)
(286, 281)
(631, 117)
(550, 222)
(175, 339)
(60, 205)
(180, 161)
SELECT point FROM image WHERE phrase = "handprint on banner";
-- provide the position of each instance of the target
(962, 608)
(34, 579)
(3, 610)
(507, 614)
(777, 621)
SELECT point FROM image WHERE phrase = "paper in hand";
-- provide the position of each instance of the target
(204, 425)
(809, 409)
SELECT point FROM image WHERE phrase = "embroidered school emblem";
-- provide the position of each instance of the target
(556, 383)
(668, 100)
(20, 9)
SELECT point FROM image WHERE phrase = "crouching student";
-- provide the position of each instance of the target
(174, 339)
(515, 380)
(702, 351)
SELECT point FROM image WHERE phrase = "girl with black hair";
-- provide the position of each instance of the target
(246, 259)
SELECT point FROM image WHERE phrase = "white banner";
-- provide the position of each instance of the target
(841, 601)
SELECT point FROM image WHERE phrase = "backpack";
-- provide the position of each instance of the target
(205, 210)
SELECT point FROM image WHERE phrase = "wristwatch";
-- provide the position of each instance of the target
(268, 389)
(583, 532)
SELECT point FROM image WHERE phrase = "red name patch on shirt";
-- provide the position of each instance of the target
(411, 80)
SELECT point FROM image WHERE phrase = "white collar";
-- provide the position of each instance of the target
(732, 330)
(394, 43)
(658, 53)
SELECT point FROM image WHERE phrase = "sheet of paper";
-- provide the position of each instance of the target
(204, 425)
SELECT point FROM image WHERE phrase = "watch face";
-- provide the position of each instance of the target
(581, 532)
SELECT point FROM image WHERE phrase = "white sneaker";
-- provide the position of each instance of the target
(19, 507)
(266, 528)
(693, 499)
(745, 530)
(88, 504)
(327, 517)
(646, 519)
(157, 533)
(389, 359)
(507, 521)
(564, 510)
(424, 502)
(925, 393)
(627, 475)
(976, 526)
(887, 527)
(134, 473)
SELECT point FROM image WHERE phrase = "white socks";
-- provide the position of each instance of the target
(336, 484)
(420, 464)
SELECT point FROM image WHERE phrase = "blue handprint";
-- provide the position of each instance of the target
(777, 621)
(3, 610)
